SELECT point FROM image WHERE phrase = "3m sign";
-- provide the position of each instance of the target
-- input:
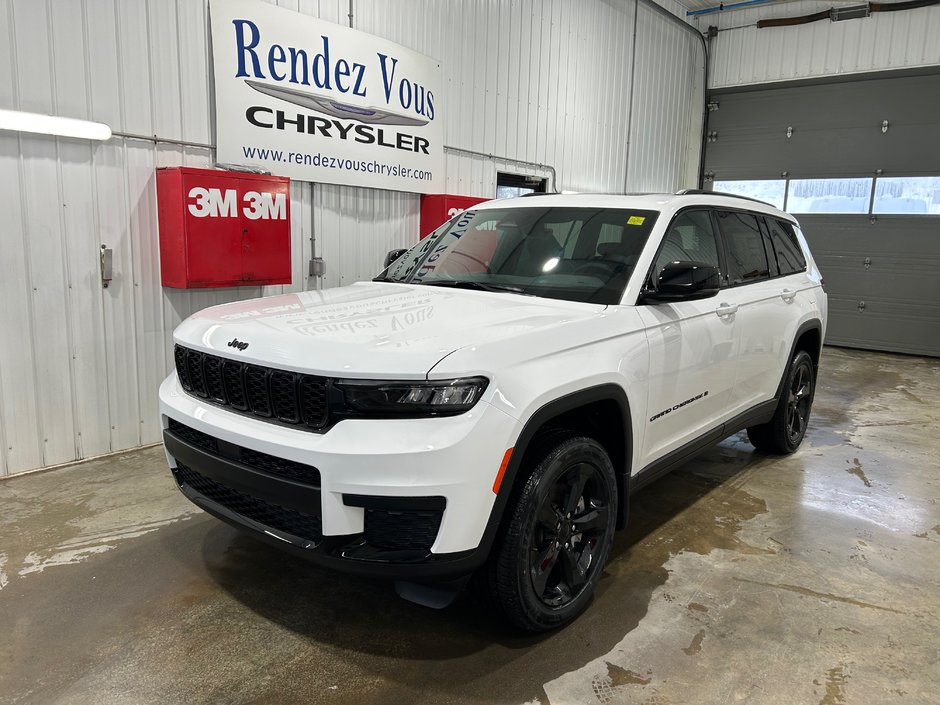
(221, 228)
(216, 203)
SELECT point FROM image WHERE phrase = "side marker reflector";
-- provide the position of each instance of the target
(502, 471)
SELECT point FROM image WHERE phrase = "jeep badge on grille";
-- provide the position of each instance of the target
(236, 343)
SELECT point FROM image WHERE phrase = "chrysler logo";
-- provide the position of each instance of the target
(236, 343)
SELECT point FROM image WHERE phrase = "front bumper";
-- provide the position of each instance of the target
(399, 498)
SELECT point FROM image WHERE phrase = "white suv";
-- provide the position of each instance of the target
(487, 405)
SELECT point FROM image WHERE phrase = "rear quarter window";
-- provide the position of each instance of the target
(786, 247)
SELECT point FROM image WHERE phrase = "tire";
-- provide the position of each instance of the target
(547, 563)
(784, 433)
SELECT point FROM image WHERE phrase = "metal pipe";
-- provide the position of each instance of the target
(495, 157)
(162, 140)
(350, 14)
(626, 155)
(724, 6)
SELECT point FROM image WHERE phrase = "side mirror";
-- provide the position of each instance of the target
(393, 255)
(684, 281)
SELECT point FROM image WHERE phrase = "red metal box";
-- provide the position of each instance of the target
(223, 228)
(436, 209)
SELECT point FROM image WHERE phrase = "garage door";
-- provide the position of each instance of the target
(858, 162)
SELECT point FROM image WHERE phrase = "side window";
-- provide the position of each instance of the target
(747, 260)
(772, 268)
(787, 248)
(691, 238)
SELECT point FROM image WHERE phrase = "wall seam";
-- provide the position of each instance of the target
(63, 242)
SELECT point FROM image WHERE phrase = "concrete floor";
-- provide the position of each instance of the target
(808, 579)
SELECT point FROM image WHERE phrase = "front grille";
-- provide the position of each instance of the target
(402, 530)
(300, 524)
(275, 395)
(256, 460)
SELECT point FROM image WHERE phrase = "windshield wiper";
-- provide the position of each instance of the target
(384, 279)
(480, 286)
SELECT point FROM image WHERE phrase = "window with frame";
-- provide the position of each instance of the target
(786, 247)
(691, 238)
(747, 259)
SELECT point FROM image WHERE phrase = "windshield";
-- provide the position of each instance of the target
(577, 254)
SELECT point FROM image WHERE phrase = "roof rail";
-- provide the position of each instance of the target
(703, 192)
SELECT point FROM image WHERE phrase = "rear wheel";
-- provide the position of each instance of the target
(784, 432)
(547, 564)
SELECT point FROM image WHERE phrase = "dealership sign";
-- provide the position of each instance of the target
(316, 101)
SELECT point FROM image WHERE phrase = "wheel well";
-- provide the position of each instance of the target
(603, 420)
(810, 342)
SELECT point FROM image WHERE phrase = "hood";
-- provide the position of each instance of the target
(370, 330)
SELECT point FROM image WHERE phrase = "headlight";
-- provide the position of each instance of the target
(451, 396)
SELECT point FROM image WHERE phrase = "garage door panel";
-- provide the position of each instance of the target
(894, 326)
(867, 285)
(847, 104)
(749, 154)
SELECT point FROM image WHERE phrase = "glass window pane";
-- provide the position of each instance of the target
(747, 260)
(768, 191)
(786, 247)
(907, 194)
(512, 191)
(829, 195)
(690, 239)
(526, 251)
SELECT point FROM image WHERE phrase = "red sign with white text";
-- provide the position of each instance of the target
(223, 228)
(437, 209)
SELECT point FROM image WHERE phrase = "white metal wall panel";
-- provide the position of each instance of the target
(355, 227)
(746, 55)
(542, 82)
(663, 149)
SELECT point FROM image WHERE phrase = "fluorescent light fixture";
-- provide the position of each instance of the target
(53, 125)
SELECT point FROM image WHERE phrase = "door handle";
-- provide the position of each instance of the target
(787, 295)
(724, 310)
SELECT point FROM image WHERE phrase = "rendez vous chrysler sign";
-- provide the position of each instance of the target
(315, 101)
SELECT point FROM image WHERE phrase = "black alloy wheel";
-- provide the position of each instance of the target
(546, 564)
(784, 432)
(567, 530)
(798, 401)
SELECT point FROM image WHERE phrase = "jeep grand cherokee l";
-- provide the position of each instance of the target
(488, 403)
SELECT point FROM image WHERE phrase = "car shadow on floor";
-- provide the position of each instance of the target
(367, 617)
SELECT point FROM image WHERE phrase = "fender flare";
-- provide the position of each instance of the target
(510, 486)
(805, 327)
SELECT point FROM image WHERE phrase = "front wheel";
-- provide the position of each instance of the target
(784, 432)
(547, 564)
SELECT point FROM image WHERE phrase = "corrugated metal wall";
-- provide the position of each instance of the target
(665, 138)
(541, 82)
(883, 41)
